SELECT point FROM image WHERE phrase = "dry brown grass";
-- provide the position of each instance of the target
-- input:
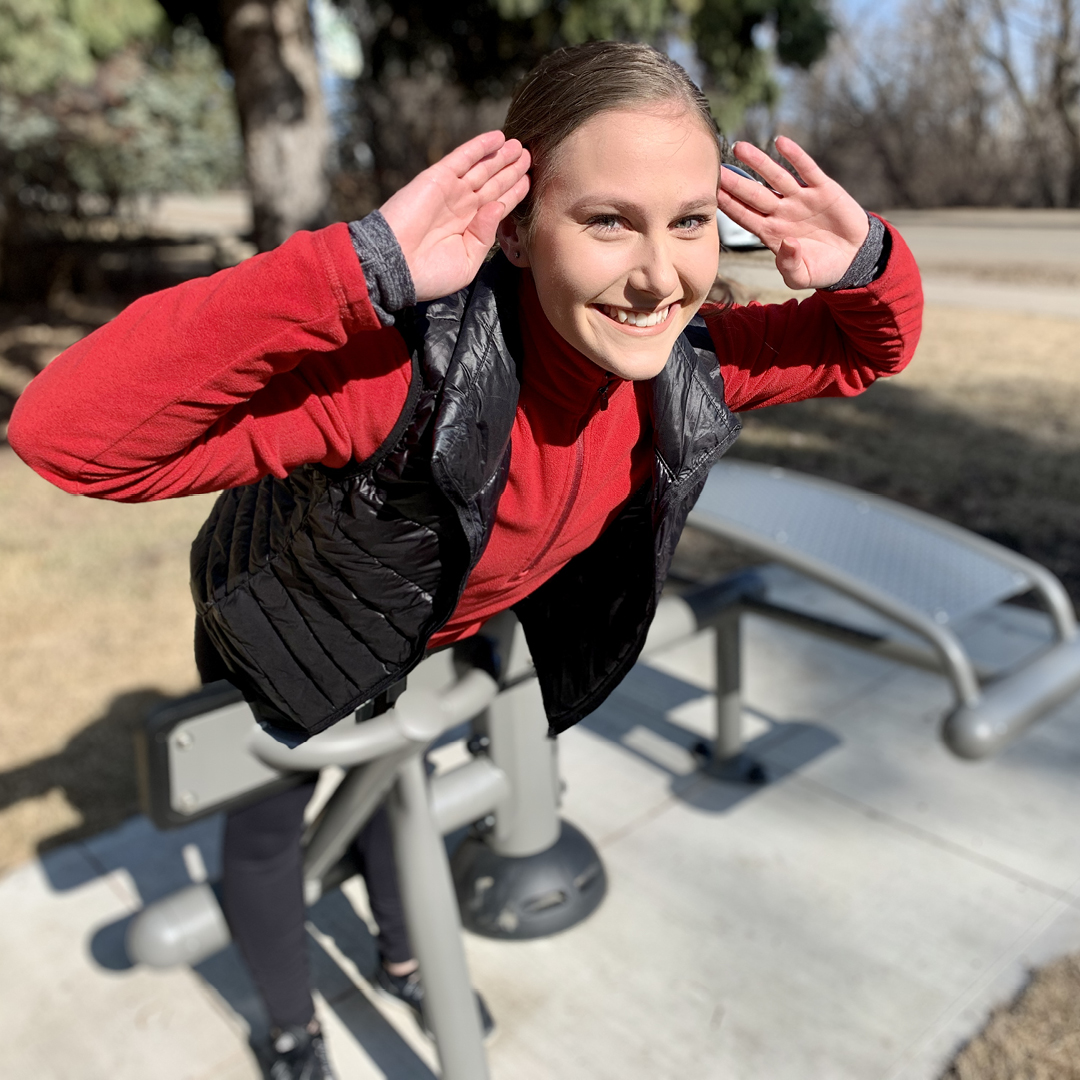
(95, 628)
(1037, 1037)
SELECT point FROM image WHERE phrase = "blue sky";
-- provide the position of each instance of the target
(860, 10)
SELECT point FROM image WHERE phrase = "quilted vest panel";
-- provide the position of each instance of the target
(320, 590)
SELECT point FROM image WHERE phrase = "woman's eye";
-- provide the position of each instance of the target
(691, 223)
(605, 223)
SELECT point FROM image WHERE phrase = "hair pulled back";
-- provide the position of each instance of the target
(571, 85)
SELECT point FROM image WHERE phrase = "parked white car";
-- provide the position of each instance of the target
(735, 237)
(732, 236)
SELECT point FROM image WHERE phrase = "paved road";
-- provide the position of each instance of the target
(1027, 261)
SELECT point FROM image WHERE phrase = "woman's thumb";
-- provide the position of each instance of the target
(789, 261)
(486, 221)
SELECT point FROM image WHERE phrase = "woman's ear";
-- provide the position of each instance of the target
(510, 240)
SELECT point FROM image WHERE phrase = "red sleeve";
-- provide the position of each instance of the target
(829, 345)
(275, 363)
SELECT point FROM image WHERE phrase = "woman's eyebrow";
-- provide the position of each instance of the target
(706, 203)
(608, 204)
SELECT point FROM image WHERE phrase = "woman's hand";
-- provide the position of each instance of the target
(814, 229)
(445, 218)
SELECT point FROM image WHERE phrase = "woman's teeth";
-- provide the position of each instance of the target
(636, 318)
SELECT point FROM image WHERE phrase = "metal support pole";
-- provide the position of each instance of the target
(729, 732)
(727, 759)
(357, 797)
(431, 914)
(527, 821)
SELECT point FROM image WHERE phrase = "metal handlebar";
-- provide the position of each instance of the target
(417, 718)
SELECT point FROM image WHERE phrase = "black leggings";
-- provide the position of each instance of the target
(262, 880)
(264, 897)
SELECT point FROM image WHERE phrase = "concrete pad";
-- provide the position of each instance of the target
(76, 1018)
(1055, 936)
(1017, 810)
(857, 918)
(786, 936)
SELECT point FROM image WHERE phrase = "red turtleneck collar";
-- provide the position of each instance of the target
(554, 369)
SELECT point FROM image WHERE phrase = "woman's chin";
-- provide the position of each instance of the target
(636, 365)
(643, 358)
(630, 352)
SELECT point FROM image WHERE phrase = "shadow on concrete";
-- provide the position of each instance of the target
(644, 700)
(95, 770)
(153, 861)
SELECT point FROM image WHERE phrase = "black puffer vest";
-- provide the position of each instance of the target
(321, 590)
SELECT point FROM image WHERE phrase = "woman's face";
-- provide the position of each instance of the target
(625, 246)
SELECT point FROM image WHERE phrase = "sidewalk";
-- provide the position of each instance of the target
(855, 919)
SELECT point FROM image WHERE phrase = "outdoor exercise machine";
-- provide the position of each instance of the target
(522, 872)
(922, 574)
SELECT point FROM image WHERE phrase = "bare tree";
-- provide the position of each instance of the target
(1049, 98)
(270, 49)
(964, 102)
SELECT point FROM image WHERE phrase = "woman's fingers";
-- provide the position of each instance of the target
(792, 265)
(512, 196)
(802, 162)
(504, 180)
(749, 192)
(492, 164)
(772, 172)
(461, 160)
(481, 230)
(483, 227)
(737, 210)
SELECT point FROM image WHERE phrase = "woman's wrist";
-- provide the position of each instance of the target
(386, 271)
(870, 260)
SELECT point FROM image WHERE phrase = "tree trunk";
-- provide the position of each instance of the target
(270, 50)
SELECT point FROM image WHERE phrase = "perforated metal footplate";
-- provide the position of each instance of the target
(928, 564)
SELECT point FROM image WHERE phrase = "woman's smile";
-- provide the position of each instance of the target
(631, 320)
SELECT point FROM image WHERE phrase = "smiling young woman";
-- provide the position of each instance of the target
(412, 437)
(624, 247)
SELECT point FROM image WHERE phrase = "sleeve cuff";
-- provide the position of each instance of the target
(389, 283)
(870, 260)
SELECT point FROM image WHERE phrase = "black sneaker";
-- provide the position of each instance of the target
(298, 1054)
(410, 990)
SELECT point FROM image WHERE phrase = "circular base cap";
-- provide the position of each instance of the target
(530, 897)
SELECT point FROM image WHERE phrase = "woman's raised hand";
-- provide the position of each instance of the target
(814, 228)
(445, 218)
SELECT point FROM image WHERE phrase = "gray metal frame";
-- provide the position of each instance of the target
(514, 780)
(990, 712)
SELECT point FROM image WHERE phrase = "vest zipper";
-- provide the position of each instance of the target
(604, 390)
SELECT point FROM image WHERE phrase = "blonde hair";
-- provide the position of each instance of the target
(572, 85)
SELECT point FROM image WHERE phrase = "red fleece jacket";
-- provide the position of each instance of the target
(281, 361)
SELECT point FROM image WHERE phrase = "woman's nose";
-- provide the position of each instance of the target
(655, 273)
